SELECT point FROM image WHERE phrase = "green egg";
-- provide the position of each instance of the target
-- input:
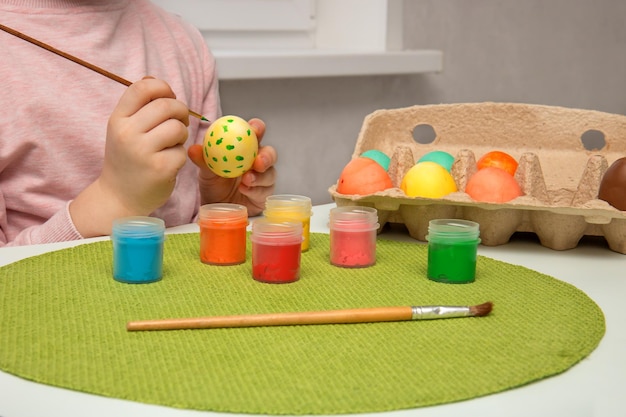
(439, 157)
(380, 157)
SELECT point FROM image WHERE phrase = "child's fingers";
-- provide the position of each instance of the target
(266, 159)
(195, 154)
(168, 133)
(259, 127)
(140, 93)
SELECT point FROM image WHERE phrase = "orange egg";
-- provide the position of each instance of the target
(493, 185)
(363, 176)
(498, 159)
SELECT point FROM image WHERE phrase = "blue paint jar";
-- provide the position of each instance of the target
(138, 249)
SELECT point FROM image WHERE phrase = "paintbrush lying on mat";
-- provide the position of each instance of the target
(359, 315)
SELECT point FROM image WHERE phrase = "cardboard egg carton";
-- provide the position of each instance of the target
(559, 176)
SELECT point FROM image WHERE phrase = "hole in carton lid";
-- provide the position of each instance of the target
(593, 140)
(424, 134)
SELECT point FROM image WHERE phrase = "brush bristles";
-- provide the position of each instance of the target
(481, 309)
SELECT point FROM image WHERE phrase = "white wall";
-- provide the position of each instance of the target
(561, 52)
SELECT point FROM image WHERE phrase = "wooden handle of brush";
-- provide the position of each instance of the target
(363, 315)
(79, 61)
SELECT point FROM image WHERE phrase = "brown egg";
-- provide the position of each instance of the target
(613, 185)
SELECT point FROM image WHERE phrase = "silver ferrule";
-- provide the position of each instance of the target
(438, 312)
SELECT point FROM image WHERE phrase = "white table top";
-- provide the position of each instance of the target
(594, 387)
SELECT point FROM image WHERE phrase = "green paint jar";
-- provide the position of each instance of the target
(452, 250)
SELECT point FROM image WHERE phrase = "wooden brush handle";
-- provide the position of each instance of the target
(362, 315)
(79, 61)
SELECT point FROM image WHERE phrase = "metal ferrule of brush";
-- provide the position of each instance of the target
(439, 312)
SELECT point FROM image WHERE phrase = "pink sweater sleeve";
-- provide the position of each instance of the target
(57, 228)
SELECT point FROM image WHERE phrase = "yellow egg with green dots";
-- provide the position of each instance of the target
(230, 146)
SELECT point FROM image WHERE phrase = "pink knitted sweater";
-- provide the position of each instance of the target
(54, 112)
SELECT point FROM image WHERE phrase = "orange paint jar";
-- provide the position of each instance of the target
(223, 233)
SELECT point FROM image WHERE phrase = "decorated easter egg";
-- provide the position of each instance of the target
(230, 146)
(613, 185)
(378, 156)
(493, 185)
(440, 157)
(498, 159)
(428, 179)
(363, 176)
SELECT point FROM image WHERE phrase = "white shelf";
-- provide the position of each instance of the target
(242, 65)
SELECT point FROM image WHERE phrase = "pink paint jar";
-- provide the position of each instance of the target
(353, 236)
(276, 249)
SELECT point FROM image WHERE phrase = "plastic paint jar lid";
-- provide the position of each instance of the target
(452, 250)
(138, 227)
(223, 213)
(353, 232)
(289, 204)
(353, 218)
(278, 233)
(276, 251)
(452, 230)
(223, 233)
(138, 249)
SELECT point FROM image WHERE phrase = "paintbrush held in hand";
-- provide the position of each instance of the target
(79, 61)
(361, 315)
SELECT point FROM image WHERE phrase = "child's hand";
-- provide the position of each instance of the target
(143, 154)
(251, 188)
(144, 149)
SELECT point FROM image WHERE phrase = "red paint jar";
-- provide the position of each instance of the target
(276, 248)
(223, 233)
(353, 236)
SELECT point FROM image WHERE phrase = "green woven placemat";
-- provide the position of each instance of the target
(62, 322)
